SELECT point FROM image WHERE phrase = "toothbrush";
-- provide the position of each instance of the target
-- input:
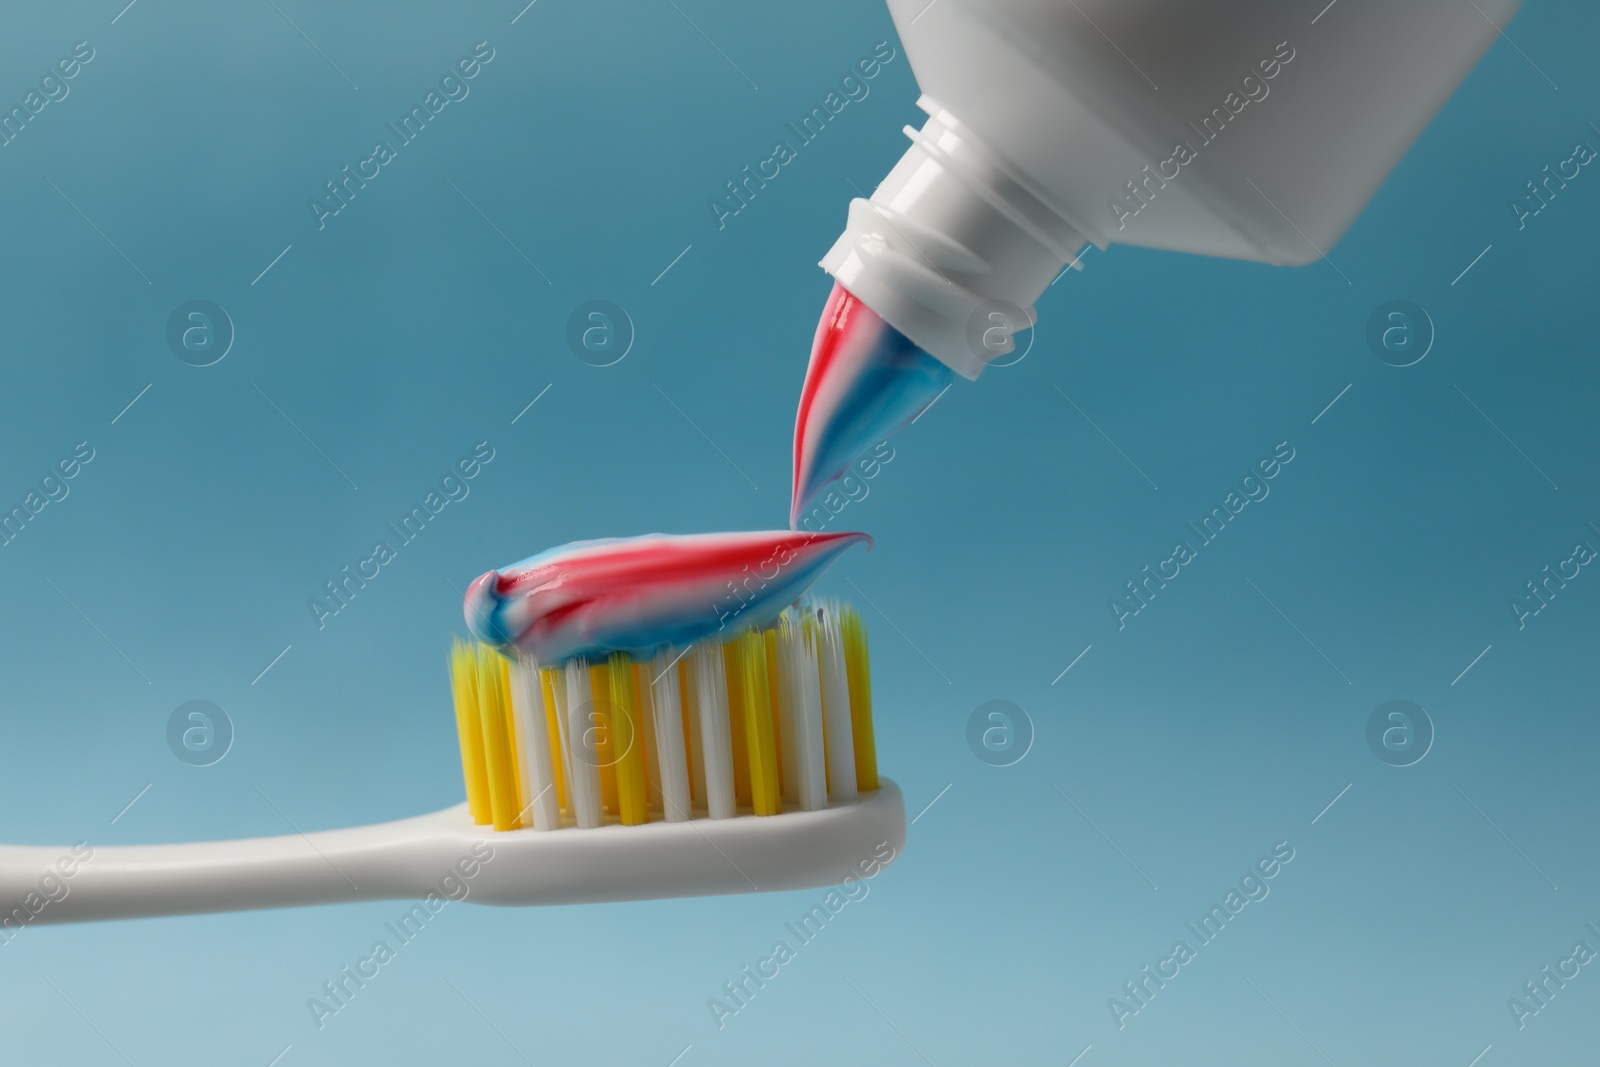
(742, 760)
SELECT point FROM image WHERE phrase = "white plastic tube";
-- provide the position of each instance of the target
(1254, 129)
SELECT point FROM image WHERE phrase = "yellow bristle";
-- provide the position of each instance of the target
(557, 758)
(469, 730)
(760, 737)
(600, 730)
(642, 674)
(733, 669)
(633, 791)
(859, 673)
(492, 710)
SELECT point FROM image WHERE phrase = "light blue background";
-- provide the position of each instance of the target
(409, 329)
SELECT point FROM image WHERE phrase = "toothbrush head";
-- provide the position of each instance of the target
(760, 744)
(676, 691)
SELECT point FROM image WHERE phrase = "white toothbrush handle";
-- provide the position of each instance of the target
(444, 853)
(398, 859)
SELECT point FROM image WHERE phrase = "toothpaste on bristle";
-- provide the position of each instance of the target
(642, 595)
(866, 381)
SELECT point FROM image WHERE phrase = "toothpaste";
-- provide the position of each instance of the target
(642, 595)
(866, 381)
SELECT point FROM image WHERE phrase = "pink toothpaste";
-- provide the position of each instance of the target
(642, 595)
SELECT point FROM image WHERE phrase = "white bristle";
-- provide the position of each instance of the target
(810, 761)
(534, 752)
(787, 680)
(558, 693)
(836, 706)
(666, 716)
(716, 737)
(581, 757)
(691, 703)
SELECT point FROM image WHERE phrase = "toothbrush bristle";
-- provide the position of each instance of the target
(469, 728)
(771, 720)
